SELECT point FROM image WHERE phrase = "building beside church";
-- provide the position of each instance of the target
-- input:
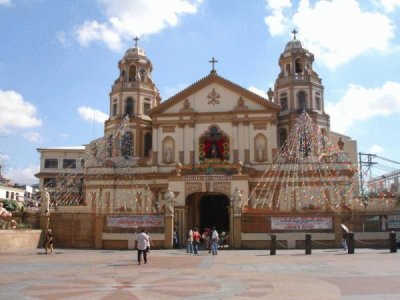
(214, 154)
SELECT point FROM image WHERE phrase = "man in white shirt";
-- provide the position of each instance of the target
(142, 241)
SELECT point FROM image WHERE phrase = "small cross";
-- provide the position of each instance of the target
(136, 40)
(213, 61)
(294, 33)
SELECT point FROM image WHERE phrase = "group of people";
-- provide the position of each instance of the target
(209, 237)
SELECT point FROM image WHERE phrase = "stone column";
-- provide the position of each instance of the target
(98, 231)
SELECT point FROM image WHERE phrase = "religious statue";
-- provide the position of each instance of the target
(340, 144)
(169, 198)
(260, 153)
(237, 201)
(168, 155)
(178, 168)
(45, 202)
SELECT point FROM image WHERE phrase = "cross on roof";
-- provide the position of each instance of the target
(294, 33)
(213, 61)
(136, 40)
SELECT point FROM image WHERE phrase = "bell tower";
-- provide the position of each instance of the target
(132, 95)
(298, 88)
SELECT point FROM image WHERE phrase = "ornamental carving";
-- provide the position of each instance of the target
(222, 187)
(213, 96)
(191, 188)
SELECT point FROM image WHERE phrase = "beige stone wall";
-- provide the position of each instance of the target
(12, 240)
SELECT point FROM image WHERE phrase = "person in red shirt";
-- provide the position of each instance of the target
(196, 240)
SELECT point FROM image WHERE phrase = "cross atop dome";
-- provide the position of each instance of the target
(136, 41)
(294, 33)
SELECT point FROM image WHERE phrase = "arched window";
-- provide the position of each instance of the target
(284, 101)
(109, 145)
(317, 101)
(142, 74)
(129, 109)
(147, 144)
(127, 144)
(301, 100)
(298, 66)
(114, 109)
(282, 137)
(132, 73)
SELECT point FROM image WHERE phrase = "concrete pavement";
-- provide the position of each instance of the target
(173, 274)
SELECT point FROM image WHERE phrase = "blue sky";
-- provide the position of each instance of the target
(58, 60)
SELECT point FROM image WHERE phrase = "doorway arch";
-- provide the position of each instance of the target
(207, 210)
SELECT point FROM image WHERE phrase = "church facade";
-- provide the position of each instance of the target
(214, 154)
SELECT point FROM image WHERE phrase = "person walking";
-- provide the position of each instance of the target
(142, 241)
(189, 247)
(196, 240)
(214, 241)
(48, 245)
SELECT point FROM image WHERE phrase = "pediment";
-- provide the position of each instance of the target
(214, 94)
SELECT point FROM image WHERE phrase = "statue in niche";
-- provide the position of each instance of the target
(260, 152)
(340, 144)
(45, 203)
(237, 201)
(168, 155)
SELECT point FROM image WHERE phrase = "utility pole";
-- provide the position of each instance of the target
(365, 159)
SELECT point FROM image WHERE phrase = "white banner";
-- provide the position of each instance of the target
(135, 221)
(393, 221)
(301, 223)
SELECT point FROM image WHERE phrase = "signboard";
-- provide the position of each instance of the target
(300, 223)
(393, 221)
(142, 221)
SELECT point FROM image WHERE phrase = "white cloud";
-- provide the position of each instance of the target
(89, 114)
(390, 5)
(258, 91)
(23, 175)
(32, 136)
(64, 135)
(129, 18)
(15, 112)
(5, 2)
(277, 22)
(344, 30)
(360, 103)
(375, 149)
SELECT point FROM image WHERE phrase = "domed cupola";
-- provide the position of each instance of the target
(298, 88)
(132, 96)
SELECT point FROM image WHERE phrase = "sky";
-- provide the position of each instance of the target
(58, 60)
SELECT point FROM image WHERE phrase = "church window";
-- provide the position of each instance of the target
(129, 109)
(142, 74)
(109, 145)
(146, 108)
(49, 182)
(126, 144)
(114, 110)
(132, 73)
(301, 100)
(122, 73)
(317, 101)
(282, 137)
(298, 66)
(284, 101)
(147, 144)
(214, 145)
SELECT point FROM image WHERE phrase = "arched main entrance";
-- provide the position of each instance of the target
(213, 211)
(207, 210)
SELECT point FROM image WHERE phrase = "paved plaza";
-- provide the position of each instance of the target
(174, 274)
